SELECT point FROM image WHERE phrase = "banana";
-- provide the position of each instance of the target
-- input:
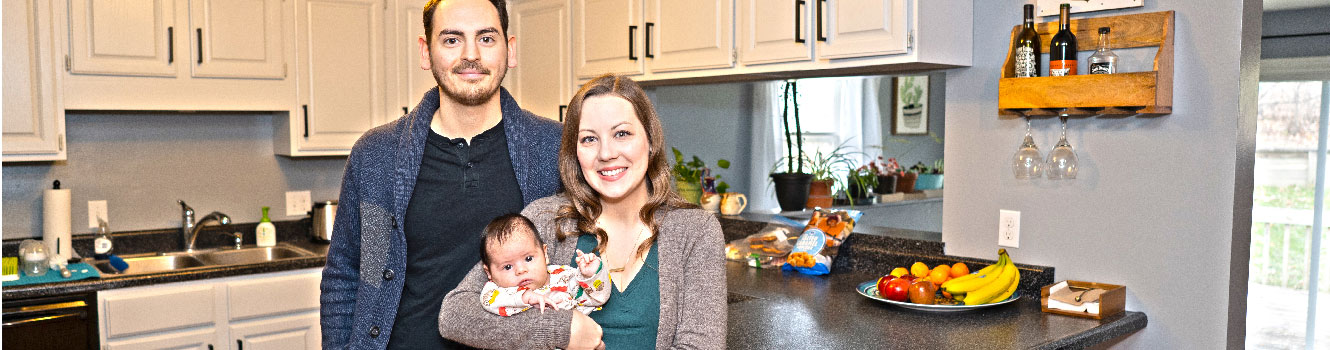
(972, 275)
(979, 280)
(985, 294)
(1010, 290)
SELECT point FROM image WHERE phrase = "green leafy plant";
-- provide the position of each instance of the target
(695, 170)
(864, 176)
(924, 169)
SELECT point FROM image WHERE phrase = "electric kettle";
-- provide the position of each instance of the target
(323, 214)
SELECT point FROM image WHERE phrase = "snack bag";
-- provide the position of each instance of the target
(820, 241)
(764, 249)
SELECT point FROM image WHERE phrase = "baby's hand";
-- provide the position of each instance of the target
(559, 298)
(587, 263)
(536, 299)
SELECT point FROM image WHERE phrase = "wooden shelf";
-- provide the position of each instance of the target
(1147, 93)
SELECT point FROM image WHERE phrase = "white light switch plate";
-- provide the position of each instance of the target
(1009, 228)
(96, 210)
(297, 203)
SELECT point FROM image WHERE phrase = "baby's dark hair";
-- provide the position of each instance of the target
(502, 228)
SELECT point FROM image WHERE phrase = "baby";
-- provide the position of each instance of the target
(514, 258)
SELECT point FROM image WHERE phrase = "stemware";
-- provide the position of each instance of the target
(1062, 159)
(1027, 163)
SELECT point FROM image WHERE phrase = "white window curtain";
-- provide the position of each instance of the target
(844, 107)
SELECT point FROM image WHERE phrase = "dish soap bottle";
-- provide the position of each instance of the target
(265, 234)
(102, 245)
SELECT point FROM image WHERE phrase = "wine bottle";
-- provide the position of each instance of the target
(1103, 61)
(1027, 47)
(1062, 50)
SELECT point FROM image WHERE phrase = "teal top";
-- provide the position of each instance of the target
(629, 320)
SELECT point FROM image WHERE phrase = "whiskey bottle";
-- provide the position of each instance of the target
(1103, 61)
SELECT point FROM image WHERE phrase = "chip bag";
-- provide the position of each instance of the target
(764, 249)
(820, 241)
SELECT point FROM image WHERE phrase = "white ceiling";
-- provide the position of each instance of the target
(1276, 5)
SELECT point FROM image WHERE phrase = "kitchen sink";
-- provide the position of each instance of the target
(176, 261)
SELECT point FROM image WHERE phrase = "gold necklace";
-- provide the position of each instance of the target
(629, 259)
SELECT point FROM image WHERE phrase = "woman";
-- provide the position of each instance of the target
(666, 257)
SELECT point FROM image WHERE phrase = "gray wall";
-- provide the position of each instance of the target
(911, 149)
(711, 122)
(1154, 205)
(141, 163)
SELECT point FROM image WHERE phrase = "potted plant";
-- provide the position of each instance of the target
(862, 181)
(824, 167)
(689, 176)
(929, 178)
(888, 172)
(792, 185)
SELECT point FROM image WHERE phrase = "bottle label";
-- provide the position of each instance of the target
(1061, 68)
(1025, 62)
(101, 246)
(1102, 68)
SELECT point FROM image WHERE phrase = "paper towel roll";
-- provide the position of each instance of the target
(56, 224)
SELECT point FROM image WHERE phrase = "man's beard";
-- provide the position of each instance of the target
(472, 95)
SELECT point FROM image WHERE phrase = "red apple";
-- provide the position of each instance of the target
(897, 289)
(882, 284)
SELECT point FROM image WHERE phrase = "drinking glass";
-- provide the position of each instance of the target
(1062, 160)
(1027, 163)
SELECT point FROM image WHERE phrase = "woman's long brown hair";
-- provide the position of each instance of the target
(584, 207)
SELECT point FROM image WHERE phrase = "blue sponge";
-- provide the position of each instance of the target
(118, 264)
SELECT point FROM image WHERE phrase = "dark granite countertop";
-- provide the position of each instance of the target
(773, 309)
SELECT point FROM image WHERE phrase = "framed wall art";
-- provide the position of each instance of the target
(909, 114)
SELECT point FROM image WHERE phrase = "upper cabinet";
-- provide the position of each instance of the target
(859, 28)
(409, 81)
(542, 81)
(186, 54)
(635, 37)
(34, 120)
(606, 37)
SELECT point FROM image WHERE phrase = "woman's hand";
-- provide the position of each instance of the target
(584, 333)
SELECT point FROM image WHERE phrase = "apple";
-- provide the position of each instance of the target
(897, 289)
(882, 284)
(922, 292)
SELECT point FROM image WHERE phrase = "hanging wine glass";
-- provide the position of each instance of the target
(1062, 160)
(1027, 163)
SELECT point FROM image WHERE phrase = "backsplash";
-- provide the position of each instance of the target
(166, 240)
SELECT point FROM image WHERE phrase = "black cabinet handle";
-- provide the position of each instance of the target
(170, 45)
(648, 41)
(405, 111)
(819, 21)
(798, 28)
(200, 32)
(561, 109)
(305, 109)
(632, 31)
(240, 345)
(209, 346)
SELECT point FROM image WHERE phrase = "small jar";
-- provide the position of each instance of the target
(34, 257)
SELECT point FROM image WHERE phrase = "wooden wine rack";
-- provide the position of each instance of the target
(1121, 94)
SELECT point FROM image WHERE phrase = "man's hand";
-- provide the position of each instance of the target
(584, 333)
(587, 264)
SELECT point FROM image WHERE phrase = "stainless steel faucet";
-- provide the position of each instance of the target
(189, 229)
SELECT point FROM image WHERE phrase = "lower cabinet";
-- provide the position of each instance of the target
(267, 311)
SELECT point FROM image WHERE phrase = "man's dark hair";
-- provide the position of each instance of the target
(502, 228)
(500, 5)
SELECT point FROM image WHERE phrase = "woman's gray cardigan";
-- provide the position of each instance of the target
(690, 249)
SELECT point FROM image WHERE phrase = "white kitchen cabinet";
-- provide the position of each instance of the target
(34, 119)
(237, 38)
(689, 35)
(858, 28)
(268, 311)
(607, 37)
(775, 31)
(410, 82)
(341, 77)
(542, 81)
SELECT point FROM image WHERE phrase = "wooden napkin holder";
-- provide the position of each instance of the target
(1112, 302)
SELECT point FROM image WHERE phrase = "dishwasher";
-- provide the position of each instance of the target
(57, 322)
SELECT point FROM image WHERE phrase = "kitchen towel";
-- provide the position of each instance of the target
(56, 223)
(76, 272)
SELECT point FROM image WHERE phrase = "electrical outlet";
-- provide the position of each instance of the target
(96, 210)
(297, 203)
(1009, 228)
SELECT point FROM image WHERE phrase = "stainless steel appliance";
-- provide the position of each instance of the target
(59, 322)
(324, 214)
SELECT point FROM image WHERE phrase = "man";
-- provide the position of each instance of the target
(417, 192)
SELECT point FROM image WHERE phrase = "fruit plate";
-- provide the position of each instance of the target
(869, 289)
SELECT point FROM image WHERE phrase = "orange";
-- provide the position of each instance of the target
(959, 269)
(899, 271)
(940, 274)
(919, 269)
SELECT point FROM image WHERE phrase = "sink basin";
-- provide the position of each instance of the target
(165, 262)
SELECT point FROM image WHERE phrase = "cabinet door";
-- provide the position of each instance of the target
(123, 37)
(341, 87)
(857, 28)
(543, 77)
(34, 122)
(236, 38)
(285, 333)
(689, 34)
(775, 31)
(199, 339)
(411, 81)
(607, 37)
